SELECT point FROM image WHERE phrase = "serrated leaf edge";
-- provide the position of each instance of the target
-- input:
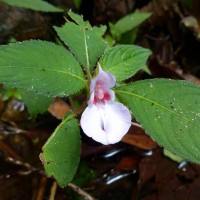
(57, 129)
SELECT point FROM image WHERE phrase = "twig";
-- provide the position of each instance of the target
(81, 192)
(136, 124)
(17, 161)
(8, 150)
(42, 188)
(53, 191)
(24, 164)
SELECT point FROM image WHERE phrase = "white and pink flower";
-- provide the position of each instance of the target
(105, 120)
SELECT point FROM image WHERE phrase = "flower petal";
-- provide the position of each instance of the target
(91, 100)
(117, 121)
(106, 78)
(91, 123)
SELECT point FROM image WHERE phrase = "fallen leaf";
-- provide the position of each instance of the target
(59, 108)
(137, 137)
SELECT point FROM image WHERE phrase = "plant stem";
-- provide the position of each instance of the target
(53, 191)
(71, 101)
(80, 192)
(42, 188)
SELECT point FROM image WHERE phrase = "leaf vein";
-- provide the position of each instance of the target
(157, 104)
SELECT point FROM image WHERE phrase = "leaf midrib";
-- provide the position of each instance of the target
(50, 70)
(157, 104)
(86, 49)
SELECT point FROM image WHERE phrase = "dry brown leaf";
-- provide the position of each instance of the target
(59, 108)
(137, 137)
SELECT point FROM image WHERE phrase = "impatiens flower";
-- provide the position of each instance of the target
(105, 120)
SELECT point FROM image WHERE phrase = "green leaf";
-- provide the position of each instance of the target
(169, 111)
(128, 23)
(40, 67)
(129, 37)
(37, 5)
(124, 60)
(61, 153)
(85, 42)
(35, 103)
(110, 41)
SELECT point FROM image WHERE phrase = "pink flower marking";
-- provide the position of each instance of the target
(105, 120)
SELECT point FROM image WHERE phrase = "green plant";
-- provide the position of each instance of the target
(125, 30)
(38, 5)
(168, 110)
